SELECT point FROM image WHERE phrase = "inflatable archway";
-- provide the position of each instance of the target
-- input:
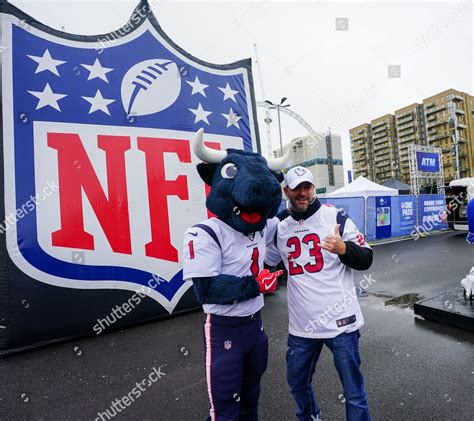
(99, 178)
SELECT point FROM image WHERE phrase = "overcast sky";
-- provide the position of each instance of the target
(333, 71)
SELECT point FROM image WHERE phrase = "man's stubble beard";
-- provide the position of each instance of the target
(297, 208)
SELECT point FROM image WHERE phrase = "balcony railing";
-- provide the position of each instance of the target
(404, 118)
(379, 128)
(382, 144)
(437, 136)
(437, 123)
(434, 110)
(379, 124)
(381, 136)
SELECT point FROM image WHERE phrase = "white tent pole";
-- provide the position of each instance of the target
(365, 218)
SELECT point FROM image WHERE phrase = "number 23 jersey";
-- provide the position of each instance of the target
(322, 300)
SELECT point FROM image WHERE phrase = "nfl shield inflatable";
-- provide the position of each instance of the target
(100, 181)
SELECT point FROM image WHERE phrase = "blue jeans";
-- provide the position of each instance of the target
(301, 359)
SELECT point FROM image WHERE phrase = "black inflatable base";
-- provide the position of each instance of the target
(450, 307)
(76, 337)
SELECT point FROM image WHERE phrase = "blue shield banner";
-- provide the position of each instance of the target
(100, 178)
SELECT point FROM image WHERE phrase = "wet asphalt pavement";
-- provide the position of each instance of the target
(414, 369)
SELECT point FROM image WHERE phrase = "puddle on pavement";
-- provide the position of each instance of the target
(406, 300)
(403, 302)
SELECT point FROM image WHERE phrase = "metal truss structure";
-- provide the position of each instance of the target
(314, 135)
(419, 178)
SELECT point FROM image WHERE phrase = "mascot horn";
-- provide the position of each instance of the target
(245, 188)
(223, 257)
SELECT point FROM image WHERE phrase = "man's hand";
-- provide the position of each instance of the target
(267, 280)
(333, 243)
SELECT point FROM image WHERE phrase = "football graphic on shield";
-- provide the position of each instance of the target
(150, 87)
(121, 189)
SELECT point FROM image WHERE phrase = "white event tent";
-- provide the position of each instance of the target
(363, 187)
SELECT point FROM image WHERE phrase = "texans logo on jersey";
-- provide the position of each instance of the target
(111, 128)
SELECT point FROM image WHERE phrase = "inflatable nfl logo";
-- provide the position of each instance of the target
(100, 178)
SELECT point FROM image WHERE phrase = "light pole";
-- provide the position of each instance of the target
(278, 106)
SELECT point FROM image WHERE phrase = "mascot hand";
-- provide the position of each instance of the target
(267, 280)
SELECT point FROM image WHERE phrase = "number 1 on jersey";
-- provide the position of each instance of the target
(191, 249)
(254, 266)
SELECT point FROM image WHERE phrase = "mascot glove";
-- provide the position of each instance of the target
(267, 281)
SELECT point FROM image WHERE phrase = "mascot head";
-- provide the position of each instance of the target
(245, 188)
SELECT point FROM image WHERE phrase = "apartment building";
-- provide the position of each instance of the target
(470, 124)
(447, 115)
(445, 120)
(384, 144)
(361, 151)
(410, 129)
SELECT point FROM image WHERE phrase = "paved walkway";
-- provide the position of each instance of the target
(414, 369)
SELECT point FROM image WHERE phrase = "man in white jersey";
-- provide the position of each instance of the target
(319, 246)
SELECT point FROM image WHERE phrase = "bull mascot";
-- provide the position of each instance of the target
(223, 257)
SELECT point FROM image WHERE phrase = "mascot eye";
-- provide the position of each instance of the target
(229, 170)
